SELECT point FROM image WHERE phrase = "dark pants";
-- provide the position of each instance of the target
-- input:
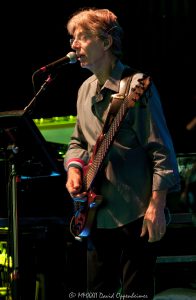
(119, 261)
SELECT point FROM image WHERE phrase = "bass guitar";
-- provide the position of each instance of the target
(85, 209)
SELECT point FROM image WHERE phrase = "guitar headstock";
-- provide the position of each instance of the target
(138, 90)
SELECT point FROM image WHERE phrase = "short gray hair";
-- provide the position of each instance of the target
(101, 22)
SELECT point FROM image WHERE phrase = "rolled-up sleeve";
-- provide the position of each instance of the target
(77, 154)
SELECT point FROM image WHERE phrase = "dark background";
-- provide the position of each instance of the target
(159, 39)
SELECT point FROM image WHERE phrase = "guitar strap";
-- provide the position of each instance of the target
(116, 100)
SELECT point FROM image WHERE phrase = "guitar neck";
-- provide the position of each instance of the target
(104, 147)
(109, 137)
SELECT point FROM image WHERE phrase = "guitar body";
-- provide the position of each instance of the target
(84, 216)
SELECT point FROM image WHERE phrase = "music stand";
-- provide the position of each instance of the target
(28, 154)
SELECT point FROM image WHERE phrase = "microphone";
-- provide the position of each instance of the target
(70, 58)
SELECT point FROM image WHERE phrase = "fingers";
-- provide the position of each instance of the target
(74, 181)
(144, 229)
(155, 232)
(72, 186)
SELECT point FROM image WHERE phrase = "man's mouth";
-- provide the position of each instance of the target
(81, 57)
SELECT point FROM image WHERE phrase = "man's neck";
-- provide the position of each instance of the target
(105, 70)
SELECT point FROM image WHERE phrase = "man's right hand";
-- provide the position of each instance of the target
(74, 181)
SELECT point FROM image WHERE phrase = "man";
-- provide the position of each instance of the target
(139, 170)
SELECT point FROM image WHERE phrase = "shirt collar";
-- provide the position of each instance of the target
(113, 82)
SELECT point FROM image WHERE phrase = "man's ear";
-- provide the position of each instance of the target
(108, 42)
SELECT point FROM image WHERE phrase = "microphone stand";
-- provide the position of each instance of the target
(13, 223)
(42, 88)
(13, 203)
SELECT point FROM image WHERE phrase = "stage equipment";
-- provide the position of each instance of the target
(57, 130)
(187, 170)
(27, 155)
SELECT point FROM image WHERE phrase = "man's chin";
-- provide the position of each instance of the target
(84, 65)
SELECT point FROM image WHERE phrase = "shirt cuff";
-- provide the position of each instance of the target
(74, 162)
